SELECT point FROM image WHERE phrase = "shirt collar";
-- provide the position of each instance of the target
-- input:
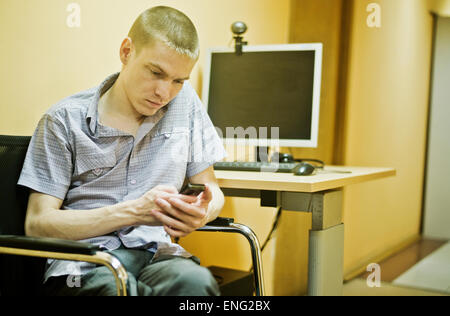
(92, 113)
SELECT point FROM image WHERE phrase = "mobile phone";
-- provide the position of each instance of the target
(192, 189)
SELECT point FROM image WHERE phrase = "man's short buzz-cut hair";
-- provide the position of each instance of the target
(169, 26)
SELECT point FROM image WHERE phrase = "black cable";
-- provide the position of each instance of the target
(275, 225)
(274, 228)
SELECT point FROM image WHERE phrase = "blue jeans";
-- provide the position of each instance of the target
(166, 275)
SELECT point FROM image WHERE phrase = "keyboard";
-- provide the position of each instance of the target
(256, 166)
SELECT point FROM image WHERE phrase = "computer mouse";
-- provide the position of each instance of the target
(304, 169)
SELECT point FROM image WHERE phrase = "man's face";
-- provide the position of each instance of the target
(154, 77)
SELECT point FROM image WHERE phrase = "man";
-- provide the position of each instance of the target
(105, 166)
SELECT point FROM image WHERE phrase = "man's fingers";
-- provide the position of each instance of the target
(173, 232)
(187, 208)
(185, 198)
(174, 211)
(170, 221)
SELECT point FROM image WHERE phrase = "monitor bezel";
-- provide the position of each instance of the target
(303, 143)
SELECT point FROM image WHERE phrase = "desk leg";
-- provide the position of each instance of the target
(326, 245)
(326, 238)
(325, 272)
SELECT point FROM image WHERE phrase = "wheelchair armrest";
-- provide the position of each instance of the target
(221, 221)
(65, 250)
(48, 244)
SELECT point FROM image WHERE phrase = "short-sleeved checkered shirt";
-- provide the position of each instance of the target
(88, 165)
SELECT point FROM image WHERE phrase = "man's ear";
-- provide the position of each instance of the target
(126, 50)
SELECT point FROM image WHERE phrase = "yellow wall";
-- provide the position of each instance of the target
(439, 7)
(385, 125)
(320, 21)
(43, 60)
(375, 91)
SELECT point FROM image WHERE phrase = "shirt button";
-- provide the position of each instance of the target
(133, 182)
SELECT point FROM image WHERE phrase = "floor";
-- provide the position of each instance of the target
(358, 287)
(396, 269)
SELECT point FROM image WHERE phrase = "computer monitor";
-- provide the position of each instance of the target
(271, 90)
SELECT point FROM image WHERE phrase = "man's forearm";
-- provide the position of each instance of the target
(46, 219)
(78, 224)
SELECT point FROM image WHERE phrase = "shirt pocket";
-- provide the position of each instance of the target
(173, 145)
(94, 165)
(170, 151)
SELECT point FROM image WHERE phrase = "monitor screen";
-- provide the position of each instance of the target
(273, 90)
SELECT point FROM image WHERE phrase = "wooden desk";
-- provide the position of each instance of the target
(320, 195)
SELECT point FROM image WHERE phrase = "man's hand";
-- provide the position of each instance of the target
(181, 215)
(146, 203)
